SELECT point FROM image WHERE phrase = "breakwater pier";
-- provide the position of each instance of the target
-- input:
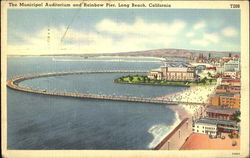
(14, 84)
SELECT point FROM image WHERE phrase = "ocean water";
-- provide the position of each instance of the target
(50, 122)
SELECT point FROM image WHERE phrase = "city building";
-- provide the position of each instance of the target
(214, 127)
(174, 72)
(230, 74)
(230, 81)
(224, 60)
(205, 127)
(228, 89)
(225, 100)
(220, 112)
(219, 67)
(232, 65)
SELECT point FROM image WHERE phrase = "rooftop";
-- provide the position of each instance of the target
(221, 110)
(230, 80)
(177, 64)
(215, 121)
(226, 95)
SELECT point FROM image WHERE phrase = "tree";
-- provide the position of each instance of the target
(210, 81)
(236, 116)
(130, 78)
(204, 80)
(209, 74)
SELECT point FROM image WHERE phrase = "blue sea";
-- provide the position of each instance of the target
(51, 122)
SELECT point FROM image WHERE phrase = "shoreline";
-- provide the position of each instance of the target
(186, 112)
(161, 131)
(80, 56)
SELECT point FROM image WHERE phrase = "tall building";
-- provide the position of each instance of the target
(209, 56)
(225, 100)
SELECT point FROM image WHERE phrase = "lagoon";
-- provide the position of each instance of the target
(49, 122)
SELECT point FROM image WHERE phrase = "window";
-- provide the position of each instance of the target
(197, 130)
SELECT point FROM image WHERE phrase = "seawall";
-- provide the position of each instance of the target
(175, 139)
(13, 83)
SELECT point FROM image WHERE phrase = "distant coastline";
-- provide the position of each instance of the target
(159, 53)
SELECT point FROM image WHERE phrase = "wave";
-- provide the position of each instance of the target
(160, 131)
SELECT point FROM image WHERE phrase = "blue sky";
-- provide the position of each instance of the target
(121, 30)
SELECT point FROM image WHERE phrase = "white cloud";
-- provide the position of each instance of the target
(211, 37)
(201, 42)
(199, 25)
(229, 32)
(139, 35)
(140, 27)
(207, 39)
(190, 34)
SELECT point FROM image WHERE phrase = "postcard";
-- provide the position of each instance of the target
(125, 78)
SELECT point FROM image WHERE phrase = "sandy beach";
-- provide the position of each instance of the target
(194, 94)
(197, 94)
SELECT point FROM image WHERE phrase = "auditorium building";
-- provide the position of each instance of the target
(174, 72)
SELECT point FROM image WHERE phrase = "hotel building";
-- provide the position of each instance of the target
(220, 112)
(228, 89)
(225, 100)
(215, 127)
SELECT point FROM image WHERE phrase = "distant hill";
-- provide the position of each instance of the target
(158, 53)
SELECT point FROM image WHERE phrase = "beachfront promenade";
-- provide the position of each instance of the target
(13, 83)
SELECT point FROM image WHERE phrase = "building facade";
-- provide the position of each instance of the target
(174, 72)
(205, 128)
(226, 100)
(214, 127)
(230, 82)
(232, 65)
(220, 112)
(228, 89)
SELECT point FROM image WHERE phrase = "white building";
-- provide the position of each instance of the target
(231, 74)
(219, 67)
(204, 127)
(232, 65)
(215, 126)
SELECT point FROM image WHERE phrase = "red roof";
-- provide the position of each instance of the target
(211, 68)
(231, 80)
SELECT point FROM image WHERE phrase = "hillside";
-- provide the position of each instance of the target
(157, 53)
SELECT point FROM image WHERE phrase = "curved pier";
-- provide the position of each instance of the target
(13, 83)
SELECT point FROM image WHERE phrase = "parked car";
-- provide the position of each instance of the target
(234, 143)
(212, 137)
(222, 137)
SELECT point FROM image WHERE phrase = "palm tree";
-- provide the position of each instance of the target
(236, 116)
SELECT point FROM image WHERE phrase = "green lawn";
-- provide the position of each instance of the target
(136, 79)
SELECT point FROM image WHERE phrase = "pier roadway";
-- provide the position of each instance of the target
(14, 84)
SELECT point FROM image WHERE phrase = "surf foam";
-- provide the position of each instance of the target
(160, 131)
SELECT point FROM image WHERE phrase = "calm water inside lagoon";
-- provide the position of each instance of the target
(50, 122)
